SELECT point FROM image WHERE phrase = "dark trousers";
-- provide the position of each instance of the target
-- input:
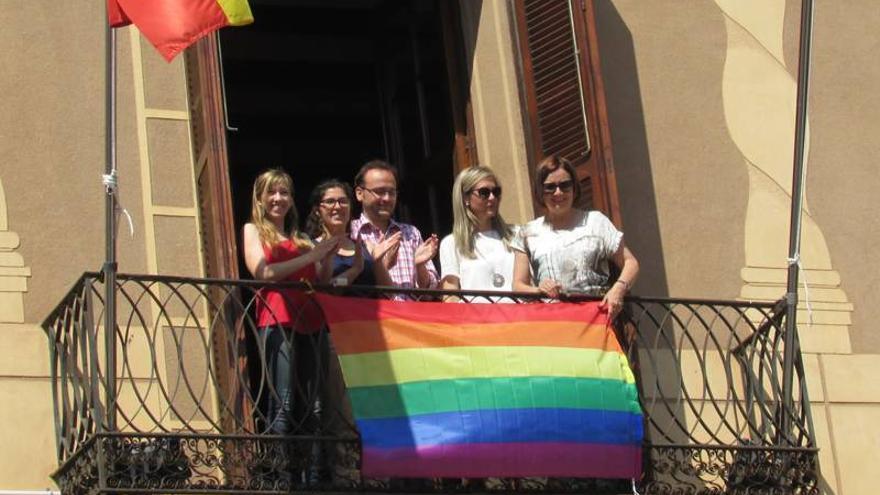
(294, 382)
(296, 365)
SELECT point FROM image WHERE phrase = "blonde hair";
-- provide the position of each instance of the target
(464, 224)
(269, 234)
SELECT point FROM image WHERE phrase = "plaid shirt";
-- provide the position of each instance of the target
(403, 273)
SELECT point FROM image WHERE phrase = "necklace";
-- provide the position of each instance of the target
(497, 277)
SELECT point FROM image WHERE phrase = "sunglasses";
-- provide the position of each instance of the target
(484, 192)
(565, 186)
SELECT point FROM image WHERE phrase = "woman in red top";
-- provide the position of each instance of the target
(291, 325)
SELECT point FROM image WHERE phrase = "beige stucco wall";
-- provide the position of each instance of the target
(51, 195)
(841, 184)
(843, 176)
(703, 127)
(681, 178)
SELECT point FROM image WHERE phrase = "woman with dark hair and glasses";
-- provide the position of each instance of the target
(330, 217)
(350, 264)
(569, 249)
(477, 254)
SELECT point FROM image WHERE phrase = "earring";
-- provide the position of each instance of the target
(468, 204)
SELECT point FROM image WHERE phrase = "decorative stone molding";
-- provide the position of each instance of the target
(13, 273)
(759, 96)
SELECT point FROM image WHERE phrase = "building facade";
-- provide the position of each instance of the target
(689, 113)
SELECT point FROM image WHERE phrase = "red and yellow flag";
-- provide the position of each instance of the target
(173, 25)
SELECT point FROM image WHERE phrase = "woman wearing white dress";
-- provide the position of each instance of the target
(477, 255)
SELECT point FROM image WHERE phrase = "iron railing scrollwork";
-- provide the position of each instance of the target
(191, 393)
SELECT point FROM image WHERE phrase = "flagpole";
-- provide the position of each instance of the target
(110, 205)
(797, 202)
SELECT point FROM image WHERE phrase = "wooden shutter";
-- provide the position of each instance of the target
(562, 90)
(218, 234)
(212, 162)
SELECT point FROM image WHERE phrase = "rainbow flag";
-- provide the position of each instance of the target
(487, 390)
(173, 25)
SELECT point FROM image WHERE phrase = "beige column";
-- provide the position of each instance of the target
(759, 104)
(498, 122)
(24, 387)
(13, 273)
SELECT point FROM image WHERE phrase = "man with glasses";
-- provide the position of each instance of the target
(398, 246)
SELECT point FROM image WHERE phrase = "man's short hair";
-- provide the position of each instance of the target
(374, 165)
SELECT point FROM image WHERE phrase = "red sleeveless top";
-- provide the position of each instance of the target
(291, 308)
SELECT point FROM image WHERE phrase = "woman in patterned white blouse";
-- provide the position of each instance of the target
(568, 249)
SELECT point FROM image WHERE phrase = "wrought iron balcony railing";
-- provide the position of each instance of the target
(185, 409)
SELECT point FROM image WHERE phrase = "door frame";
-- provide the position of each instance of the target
(210, 143)
(208, 121)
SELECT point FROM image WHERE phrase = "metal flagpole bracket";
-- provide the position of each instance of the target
(110, 182)
(111, 188)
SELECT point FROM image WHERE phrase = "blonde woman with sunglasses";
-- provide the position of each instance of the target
(477, 255)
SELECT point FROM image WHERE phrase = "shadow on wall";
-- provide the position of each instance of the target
(632, 162)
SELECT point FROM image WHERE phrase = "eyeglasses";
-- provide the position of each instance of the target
(381, 192)
(565, 186)
(484, 192)
(331, 202)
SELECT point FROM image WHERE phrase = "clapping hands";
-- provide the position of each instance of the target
(427, 250)
(385, 250)
(327, 247)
